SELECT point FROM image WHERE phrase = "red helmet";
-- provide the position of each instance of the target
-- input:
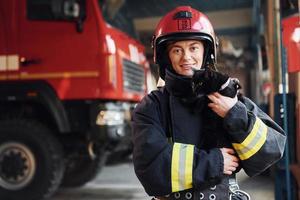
(183, 23)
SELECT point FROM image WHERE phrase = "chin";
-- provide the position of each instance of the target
(187, 73)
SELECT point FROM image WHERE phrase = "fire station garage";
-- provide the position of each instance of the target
(73, 72)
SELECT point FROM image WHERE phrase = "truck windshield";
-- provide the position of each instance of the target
(116, 13)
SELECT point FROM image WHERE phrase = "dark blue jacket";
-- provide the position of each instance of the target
(190, 160)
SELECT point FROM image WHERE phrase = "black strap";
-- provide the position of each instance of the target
(167, 116)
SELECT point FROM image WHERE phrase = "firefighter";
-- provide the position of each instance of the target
(173, 159)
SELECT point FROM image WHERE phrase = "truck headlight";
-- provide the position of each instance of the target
(110, 117)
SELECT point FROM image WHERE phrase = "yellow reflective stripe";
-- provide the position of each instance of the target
(249, 138)
(175, 167)
(12, 62)
(52, 75)
(189, 167)
(182, 166)
(3, 65)
(9, 62)
(253, 142)
(257, 147)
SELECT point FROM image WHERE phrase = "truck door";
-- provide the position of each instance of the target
(51, 45)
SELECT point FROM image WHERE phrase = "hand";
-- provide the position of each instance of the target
(231, 162)
(221, 104)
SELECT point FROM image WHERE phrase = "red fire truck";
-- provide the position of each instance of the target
(68, 81)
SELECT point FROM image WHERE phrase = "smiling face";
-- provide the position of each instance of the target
(185, 56)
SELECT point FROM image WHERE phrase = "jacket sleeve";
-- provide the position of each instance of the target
(257, 139)
(164, 167)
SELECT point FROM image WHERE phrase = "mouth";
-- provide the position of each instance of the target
(188, 66)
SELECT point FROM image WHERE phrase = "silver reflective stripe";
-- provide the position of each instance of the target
(253, 142)
(182, 167)
(181, 172)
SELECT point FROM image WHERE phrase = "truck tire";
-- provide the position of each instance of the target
(82, 169)
(31, 160)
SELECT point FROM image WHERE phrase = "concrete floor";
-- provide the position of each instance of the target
(120, 183)
(259, 187)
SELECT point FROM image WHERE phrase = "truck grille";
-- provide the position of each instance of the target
(133, 76)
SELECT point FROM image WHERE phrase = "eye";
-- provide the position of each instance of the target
(194, 48)
(177, 51)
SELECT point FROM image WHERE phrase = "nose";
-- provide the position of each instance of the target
(187, 55)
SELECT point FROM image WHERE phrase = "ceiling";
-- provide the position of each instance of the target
(150, 8)
(232, 19)
(239, 24)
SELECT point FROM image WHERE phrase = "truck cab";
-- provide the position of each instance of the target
(68, 81)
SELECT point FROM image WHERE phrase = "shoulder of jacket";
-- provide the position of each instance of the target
(158, 94)
(150, 101)
(247, 102)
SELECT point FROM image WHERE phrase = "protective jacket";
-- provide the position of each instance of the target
(192, 160)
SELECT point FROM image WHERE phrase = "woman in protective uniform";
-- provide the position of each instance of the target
(174, 158)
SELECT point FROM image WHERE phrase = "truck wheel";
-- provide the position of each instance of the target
(82, 169)
(31, 160)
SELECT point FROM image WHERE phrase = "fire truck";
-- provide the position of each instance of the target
(68, 81)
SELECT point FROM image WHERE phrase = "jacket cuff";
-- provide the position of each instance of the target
(214, 164)
(236, 119)
(216, 172)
